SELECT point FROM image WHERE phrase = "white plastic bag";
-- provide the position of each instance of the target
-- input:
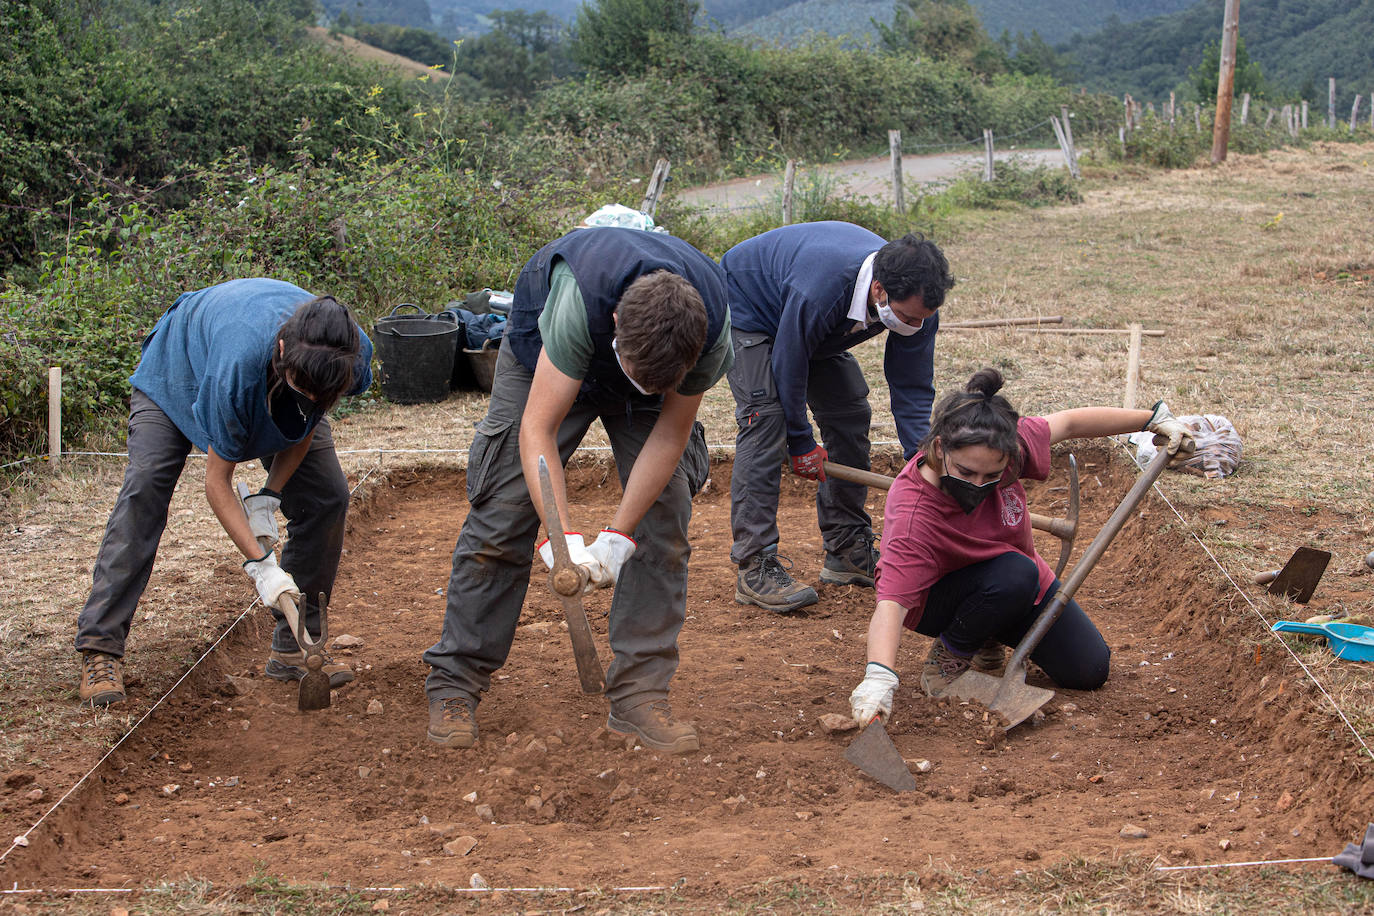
(622, 216)
(1218, 445)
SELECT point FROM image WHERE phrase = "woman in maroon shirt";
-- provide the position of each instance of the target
(958, 562)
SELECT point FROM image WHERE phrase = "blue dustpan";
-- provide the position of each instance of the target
(1347, 640)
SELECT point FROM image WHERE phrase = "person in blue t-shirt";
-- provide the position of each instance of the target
(245, 370)
(800, 297)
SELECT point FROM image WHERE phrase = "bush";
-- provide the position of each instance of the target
(1016, 182)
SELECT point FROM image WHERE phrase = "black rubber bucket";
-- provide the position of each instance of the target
(416, 352)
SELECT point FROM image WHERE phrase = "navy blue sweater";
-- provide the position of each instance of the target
(795, 285)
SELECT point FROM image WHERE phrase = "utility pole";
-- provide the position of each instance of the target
(1226, 82)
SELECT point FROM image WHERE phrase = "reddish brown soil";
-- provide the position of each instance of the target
(1199, 737)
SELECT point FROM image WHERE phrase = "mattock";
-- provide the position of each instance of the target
(314, 689)
(1066, 529)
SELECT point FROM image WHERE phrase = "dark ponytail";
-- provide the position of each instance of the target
(320, 345)
(978, 415)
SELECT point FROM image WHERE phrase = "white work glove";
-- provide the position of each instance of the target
(612, 550)
(579, 554)
(271, 580)
(261, 508)
(1168, 429)
(873, 697)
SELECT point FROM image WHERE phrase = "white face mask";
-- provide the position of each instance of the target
(894, 324)
(616, 350)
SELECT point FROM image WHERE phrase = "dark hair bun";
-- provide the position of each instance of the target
(987, 382)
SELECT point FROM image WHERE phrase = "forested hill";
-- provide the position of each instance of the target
(1297, 43)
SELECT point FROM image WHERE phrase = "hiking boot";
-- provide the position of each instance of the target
(941, 668)
(855, 565)
(452, 722)
(102, 679)
(764, 581)
(989, 657)
(654, 725)
(290, 666)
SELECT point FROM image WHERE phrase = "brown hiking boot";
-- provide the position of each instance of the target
(290, 666)
(452, 722)
(989, 657)
(857, 564)
(764, 581)
(654, 725)
(941, 668)
(102, 679)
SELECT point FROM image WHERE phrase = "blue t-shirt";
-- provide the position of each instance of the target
(206, 361)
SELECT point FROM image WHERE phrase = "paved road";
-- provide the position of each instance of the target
(860, 177)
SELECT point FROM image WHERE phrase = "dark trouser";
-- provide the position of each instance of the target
(495, 549)
(995, 599)
(314, 501)
(838, 397)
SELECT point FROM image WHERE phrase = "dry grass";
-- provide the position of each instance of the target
(1270, 322)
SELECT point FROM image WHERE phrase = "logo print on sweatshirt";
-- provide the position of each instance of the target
(1013, 508)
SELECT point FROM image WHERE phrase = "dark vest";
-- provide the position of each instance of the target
(606, 260)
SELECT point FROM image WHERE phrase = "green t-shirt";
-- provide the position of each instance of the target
(563, 329)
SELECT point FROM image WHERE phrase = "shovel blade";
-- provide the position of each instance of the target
(1299, 577)
(1009, 696)
(314, 692)
(875, 754)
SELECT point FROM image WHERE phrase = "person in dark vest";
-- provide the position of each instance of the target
(243, 371)
(800, 298)
(629, 327)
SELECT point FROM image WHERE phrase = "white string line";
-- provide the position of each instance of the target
(640, 889)
(1240, 864)
(22, 839)
(1260, 614)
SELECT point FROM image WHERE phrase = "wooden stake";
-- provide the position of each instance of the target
(1002, 322)
(656, 182)
(894, 146)
(1304, 116)
(55, 414)
(1064, 145)
(1330, 103)
(1197, 118)
(988, 173)
(1144, 333)
(1226, 82)
(1269, 120)
(789, 179)
(1245, 108)
(1132, 366)
(1068, 136)
(1354, 112)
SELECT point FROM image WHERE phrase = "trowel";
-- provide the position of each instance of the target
(875, 754)
(1299, 577)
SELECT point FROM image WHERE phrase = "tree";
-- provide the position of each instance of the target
(944, 30)
(1203, 78)
(523, 51)
(615, 36)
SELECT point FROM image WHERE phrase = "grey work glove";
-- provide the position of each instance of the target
(271, 580)
(872, 699)
(1169, 429)
(261, 508)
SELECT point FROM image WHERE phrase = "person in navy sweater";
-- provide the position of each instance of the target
(244, 370)
(800, 297)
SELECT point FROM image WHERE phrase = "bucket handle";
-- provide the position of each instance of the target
(407, 305)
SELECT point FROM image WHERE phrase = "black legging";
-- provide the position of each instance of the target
(995, 599)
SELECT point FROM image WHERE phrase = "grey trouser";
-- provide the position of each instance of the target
(495, 550)
(314, 501)
(838, 397)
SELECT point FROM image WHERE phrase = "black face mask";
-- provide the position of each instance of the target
(303, 403)
(968, 495)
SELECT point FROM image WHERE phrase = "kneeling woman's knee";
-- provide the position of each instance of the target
(1013, 578)
(1087, 670)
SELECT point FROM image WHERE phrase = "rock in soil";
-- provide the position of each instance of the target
(485, 813)
(1132, 832)
(833, 723)
(460, 846)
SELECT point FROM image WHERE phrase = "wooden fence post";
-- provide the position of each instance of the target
(1330, 103)
(1354, 112)
(55, 414)
(1245, 108)
(1068, 137)
(1171, 109)
(1064, 146)
(988, 173)
(1304, 116)
(1126, 102)
(789, 178)
(1197, 117)
(1132, 366)
(894, 146)
(656, 182)
(1269, 120)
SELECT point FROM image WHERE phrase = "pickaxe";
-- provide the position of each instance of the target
(1063, 528)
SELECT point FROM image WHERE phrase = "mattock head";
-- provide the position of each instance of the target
(1066, 544)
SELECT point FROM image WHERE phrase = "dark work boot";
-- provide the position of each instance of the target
(290, 666)
(764, 581)
(452, 722)
(654, 725)
(857, 564)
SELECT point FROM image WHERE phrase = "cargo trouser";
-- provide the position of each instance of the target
(838, 397)
(314, 501)
(495, 551)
